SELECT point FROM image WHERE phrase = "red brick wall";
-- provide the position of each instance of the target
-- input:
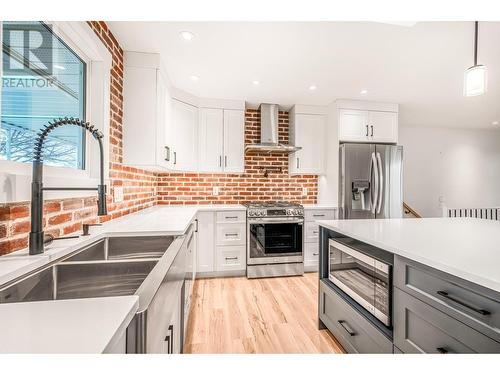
(252, 185)
(66, 216)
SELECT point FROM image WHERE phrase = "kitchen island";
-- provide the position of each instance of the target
(443, 285)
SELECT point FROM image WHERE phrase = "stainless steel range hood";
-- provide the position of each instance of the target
(269, 132)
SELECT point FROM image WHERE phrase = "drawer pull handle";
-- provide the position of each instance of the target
(231, 234)
(442, 351)
(231, 217)
(231, 258)
(348, 329)
(318, 215)
(315, 232)
(464, 304)
(315, 254)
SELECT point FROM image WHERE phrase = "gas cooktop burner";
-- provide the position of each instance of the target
(272, 204)
(274, 208)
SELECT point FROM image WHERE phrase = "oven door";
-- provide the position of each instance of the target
(275, 240)
(363, 278)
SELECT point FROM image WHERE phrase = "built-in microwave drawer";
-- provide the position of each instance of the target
(352, 330)
(420, 328)
(473, 305)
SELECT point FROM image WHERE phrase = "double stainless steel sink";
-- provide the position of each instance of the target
(114, 266)
(155, 268)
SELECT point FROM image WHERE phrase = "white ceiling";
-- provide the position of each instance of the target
(420, 67)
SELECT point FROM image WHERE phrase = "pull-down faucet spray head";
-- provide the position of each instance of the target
(36, 237)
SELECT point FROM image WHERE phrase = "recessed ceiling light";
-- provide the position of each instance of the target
(186, 35)
(494, 123)
(194, 78)
(60, 67)
(256, 83)
(363, 92)
(312, 87)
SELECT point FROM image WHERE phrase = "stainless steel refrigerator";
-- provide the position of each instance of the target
(370, 181)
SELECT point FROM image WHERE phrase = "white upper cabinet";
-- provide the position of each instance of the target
(383, 126)
(184, 137)
(369, 122)
(144, 111)
(234, 141)
(307, 130)
(221, 140)
(353, 125)
(210, 140)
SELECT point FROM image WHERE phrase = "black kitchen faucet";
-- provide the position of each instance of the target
(36, 237)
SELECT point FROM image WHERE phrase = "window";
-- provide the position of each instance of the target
(42, 79)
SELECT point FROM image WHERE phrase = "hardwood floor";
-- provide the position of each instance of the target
(275, 315)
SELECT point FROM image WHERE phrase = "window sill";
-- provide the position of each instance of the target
(15, 182)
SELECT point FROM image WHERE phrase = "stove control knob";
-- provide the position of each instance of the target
(261, 213)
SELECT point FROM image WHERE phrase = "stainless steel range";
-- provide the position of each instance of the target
(275, 239)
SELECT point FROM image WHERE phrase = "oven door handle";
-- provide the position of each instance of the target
(275, 221)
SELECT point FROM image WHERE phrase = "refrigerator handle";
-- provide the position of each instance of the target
(381, 183)
(375, 196)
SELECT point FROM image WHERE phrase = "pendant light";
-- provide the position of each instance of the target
(475, 77)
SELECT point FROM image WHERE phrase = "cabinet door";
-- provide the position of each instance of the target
(310, 135)
(234, 141)
(206, 242)
(139, 116)
(385, 126)
(162, 113)
(185, 132)
(210, 143)
(353, 125)
(311, 256)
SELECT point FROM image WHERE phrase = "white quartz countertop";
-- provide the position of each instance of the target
(91, 325)
(154, 221)
(82, 325)
(464, 247)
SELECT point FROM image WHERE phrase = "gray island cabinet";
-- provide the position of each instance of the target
(431, 311)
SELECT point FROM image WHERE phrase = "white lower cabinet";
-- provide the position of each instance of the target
(221, 243)
(311, 235)
(206, 242)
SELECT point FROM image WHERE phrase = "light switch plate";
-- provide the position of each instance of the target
(215, 190)
(118, 193)
(304, 191)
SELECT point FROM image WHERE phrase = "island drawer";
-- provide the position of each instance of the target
(420, 328)
(476, 306)
(353, 331)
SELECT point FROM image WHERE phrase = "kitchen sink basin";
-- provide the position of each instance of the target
(150, 267)
(125, 248)
(80, 280)
(115, 266)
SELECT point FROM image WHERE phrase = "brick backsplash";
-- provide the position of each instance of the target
(65, 216)
(252, 185)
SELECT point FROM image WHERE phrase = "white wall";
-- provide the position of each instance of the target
(463, 166)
